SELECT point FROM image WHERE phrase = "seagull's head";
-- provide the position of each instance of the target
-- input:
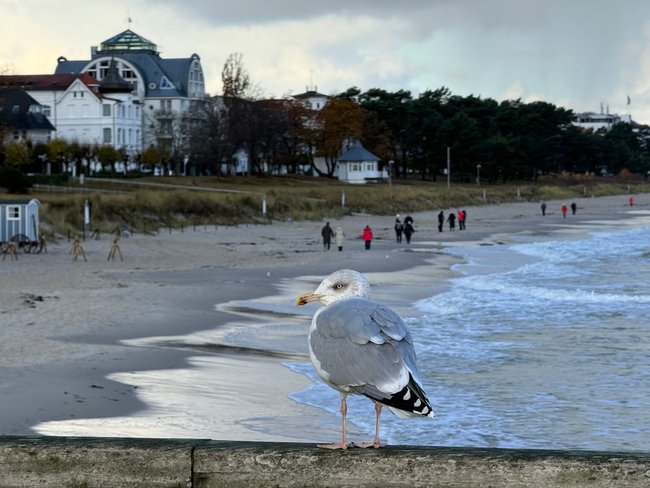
(344, 283)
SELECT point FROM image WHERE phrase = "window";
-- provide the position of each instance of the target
(13, 212)
(107, 110)
(108, 136)
(165, 84)
(47, 110)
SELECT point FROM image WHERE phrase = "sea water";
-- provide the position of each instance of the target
(535, 345)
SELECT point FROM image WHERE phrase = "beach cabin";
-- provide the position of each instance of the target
(358, 165)
(19, 217)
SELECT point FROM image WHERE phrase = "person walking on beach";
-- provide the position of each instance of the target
(399, 228)
(327, 234)
(631, 201)
(441, 220)
(564, 209)
(366, 235)
(408, 231)
(574, 207)
(461, 220)
(543, 207)
(339, 237)
(452, 221)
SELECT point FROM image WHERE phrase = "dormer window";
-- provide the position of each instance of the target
(165, 84)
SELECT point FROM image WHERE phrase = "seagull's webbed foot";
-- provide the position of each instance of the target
(366, 445)
(338, 445)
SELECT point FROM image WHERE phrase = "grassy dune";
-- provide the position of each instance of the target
(235, 200)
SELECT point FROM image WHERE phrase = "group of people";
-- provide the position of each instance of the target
(564, 209)
(405, 228)
(461, 216)
(328, 233)
(339, 236)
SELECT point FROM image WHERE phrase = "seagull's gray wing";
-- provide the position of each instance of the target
(366, 348)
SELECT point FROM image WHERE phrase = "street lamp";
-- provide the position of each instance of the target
(390, 174)
(478, 174)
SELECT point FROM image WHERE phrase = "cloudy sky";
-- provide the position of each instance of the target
(579, 54)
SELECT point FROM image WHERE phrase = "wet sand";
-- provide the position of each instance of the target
(69, 329)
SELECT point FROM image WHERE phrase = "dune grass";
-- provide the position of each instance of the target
(147, 209)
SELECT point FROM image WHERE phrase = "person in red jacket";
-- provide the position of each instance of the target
(366, 235)
(564, 209)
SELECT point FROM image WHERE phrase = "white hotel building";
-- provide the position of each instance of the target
(165, 89)
(125, 96)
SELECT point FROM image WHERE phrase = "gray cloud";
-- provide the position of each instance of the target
(229, 12)
(575, 53)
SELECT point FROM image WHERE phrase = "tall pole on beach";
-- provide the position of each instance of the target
(448, 167)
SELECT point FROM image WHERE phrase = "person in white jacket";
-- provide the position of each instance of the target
(339, 237)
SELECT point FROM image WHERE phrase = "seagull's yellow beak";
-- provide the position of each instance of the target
(306, 298)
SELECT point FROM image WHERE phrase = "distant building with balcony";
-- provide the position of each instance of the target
(165, 89)
(596, 121)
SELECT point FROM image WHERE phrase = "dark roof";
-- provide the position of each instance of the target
(59, 81)
(356, 154)
(310, 94)
(15, 202)
(15, 113)
(151, 67)
(113, 82)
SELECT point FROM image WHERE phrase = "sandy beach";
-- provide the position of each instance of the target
(73, 334)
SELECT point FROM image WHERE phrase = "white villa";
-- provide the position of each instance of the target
(84, 110)
(164, 89)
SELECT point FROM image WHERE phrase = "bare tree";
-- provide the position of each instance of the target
(209, 145)
(236, 81)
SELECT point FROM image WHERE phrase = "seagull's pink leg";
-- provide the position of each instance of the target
(375, 443)
(344, 411)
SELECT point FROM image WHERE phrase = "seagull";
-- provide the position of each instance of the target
(359, 347)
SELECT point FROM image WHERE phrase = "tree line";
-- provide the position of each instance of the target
(510, 140)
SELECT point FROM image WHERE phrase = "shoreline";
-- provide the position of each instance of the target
(59, 352)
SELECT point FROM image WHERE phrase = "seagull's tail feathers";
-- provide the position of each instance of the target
(409, 402)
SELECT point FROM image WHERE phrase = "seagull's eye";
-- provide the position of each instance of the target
(338, 286)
